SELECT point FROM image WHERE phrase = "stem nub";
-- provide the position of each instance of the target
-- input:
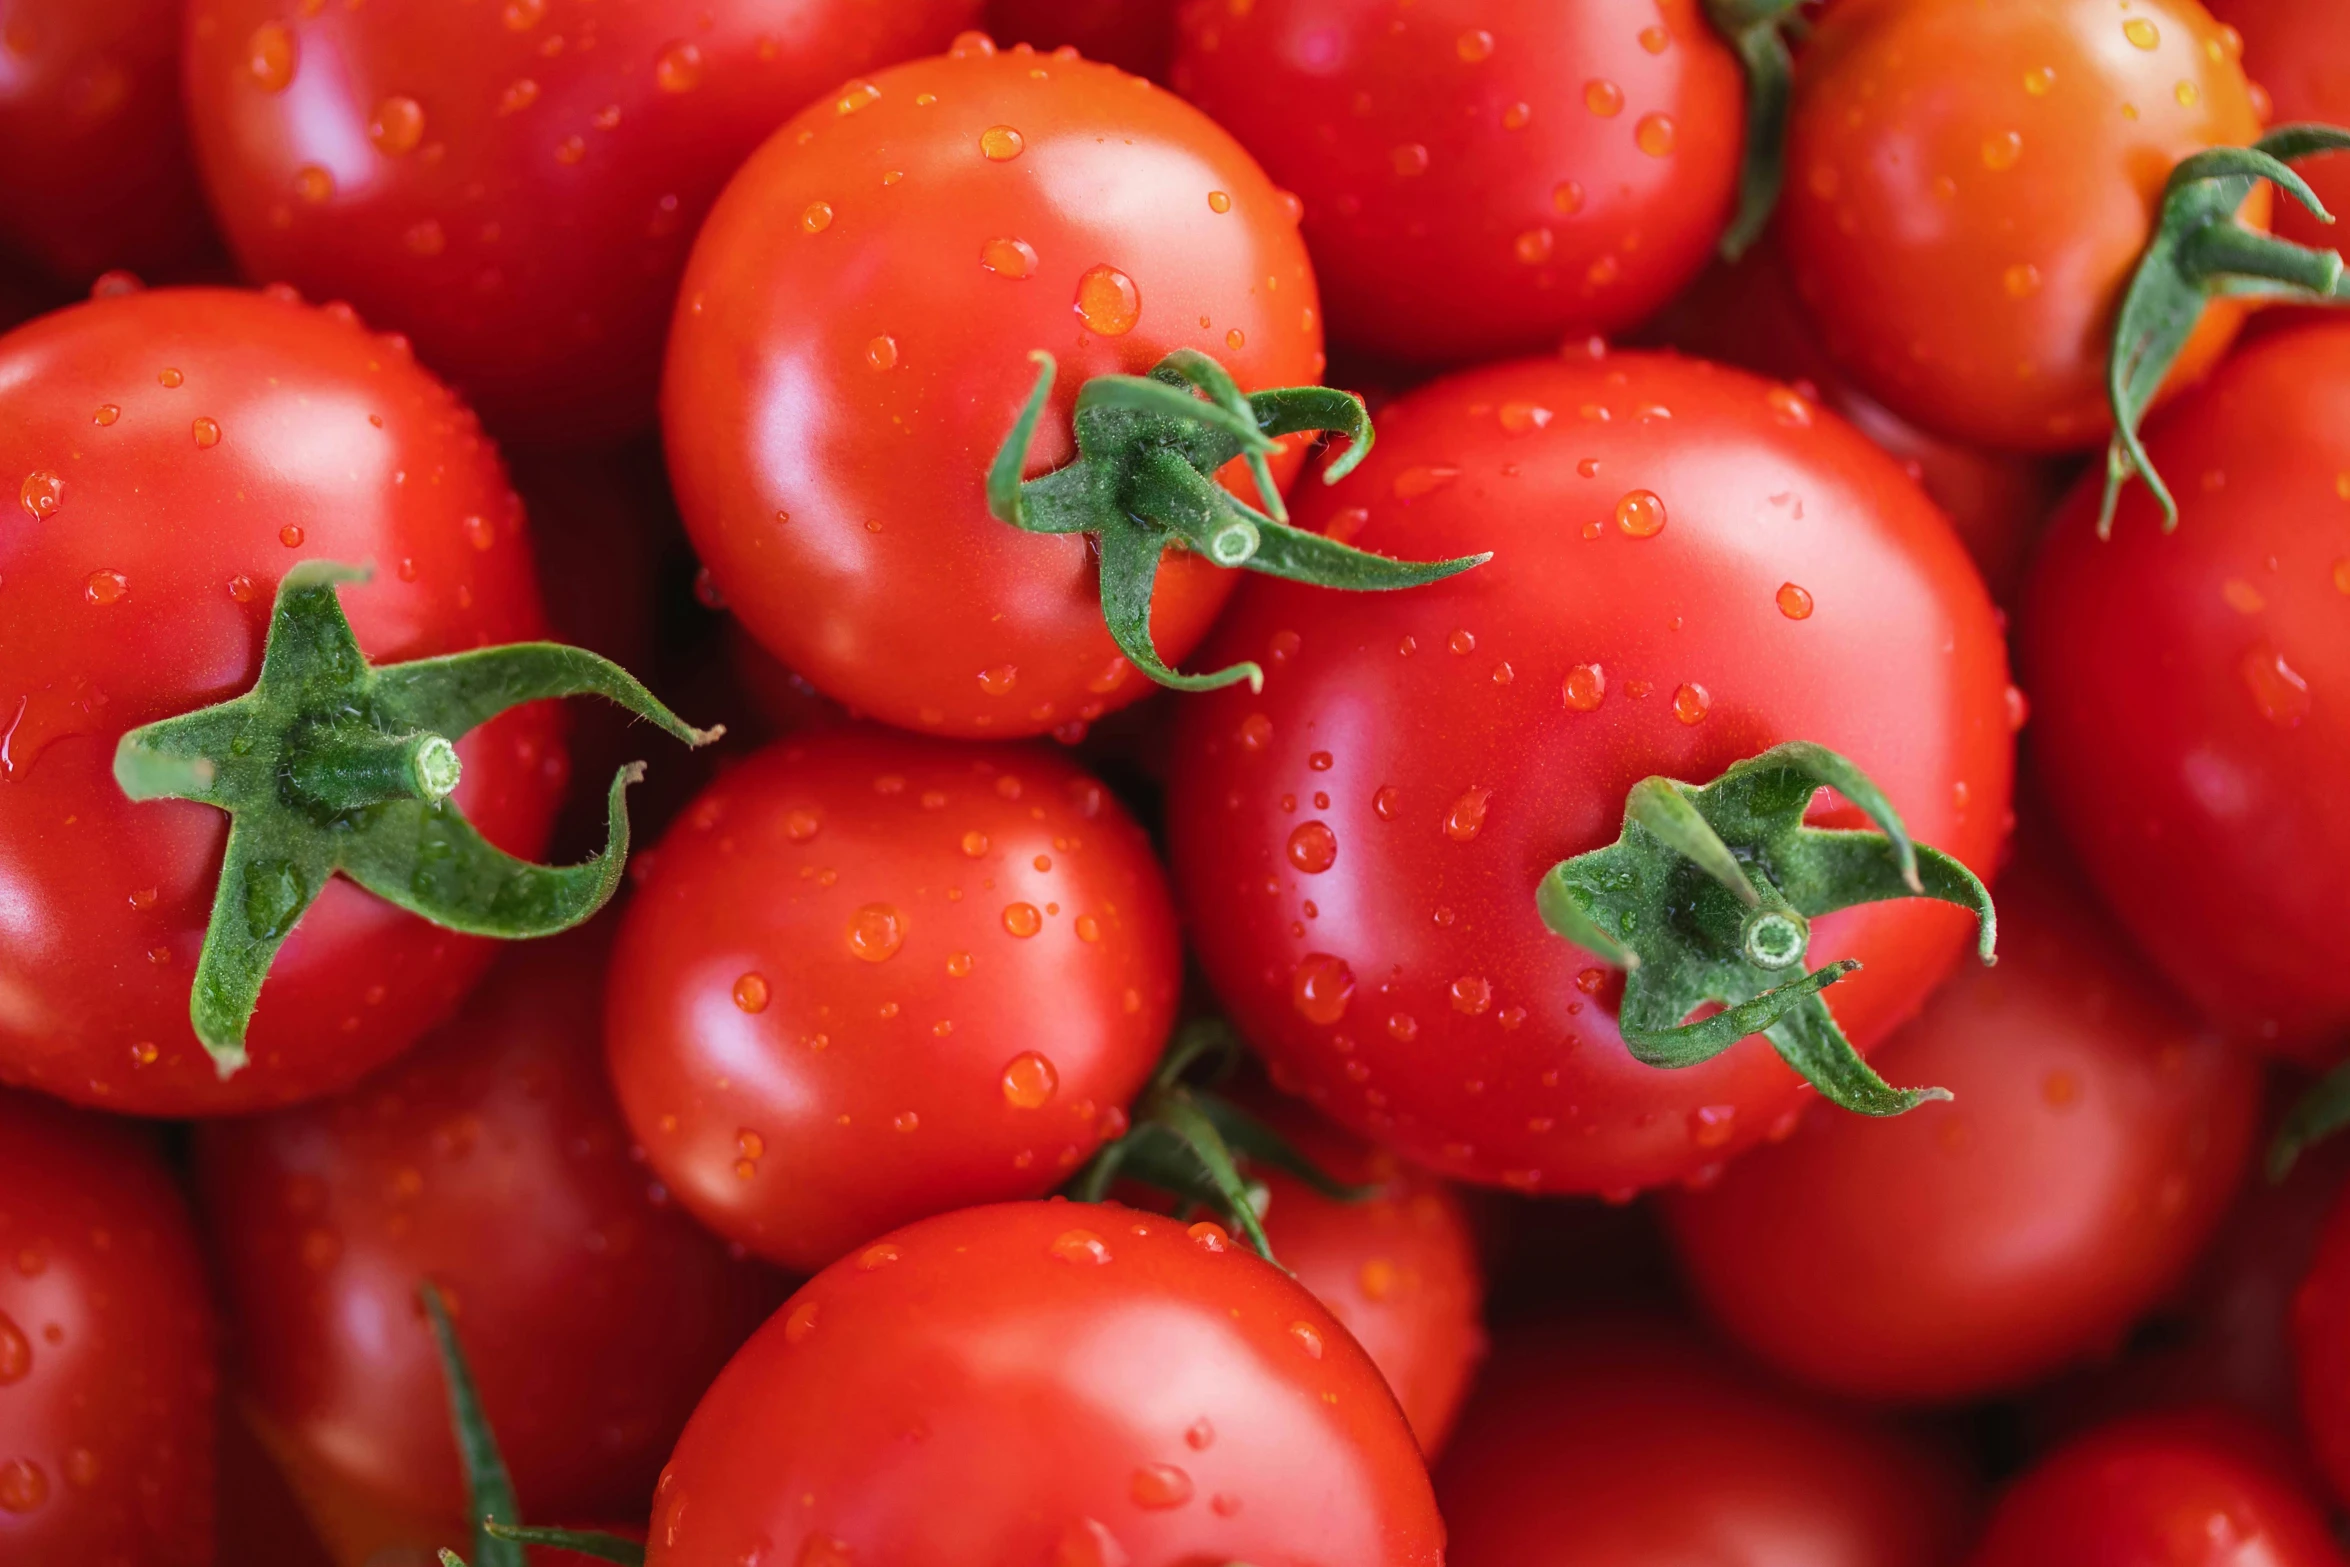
(348, 770)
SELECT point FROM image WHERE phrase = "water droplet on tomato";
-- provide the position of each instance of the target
(878, 1256)
(1160, 1486)
(1422, 479)
(881, 352)
(1388, 802)
(2277, 689)
(1320, 988)
(313, 184)
(16, 1352)
(1641, 514)
(2039, 79)
(206, 432)
(269, 57)
(751, 992)
(1603, 98)
(1794, 602)
(1654, 135)
(1692, 702)
(1566, 197)
(679, 68)
(169, 376)
(2142, 33)
(1107, 301)
(1001, 143)
(875, 932)
(1467, 817)
(106, 587)
(23, 1487)
(1022, 920)
(2001, 149)
(1012, 258)
(1408, 159)
(1307, 1337)
(1313, 848)
(1710, 1126)
(1534, 246)
(1080, 1246)
(41, 494)
(1472, 994)
(1474, 45)
(107, 413)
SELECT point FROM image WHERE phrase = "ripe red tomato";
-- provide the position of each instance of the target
(1969, 186)
(1133, 35)
(2159, 1491)
(2298, 56)
(493, 1162)
(107, 1375)
(1544, 167)
(514, 186)
(869, 977)
(1883, 1258)
(1049, 1382)
(2321, 1349)
(1611, 1443)
(173, 453)
(1358, 848)
(97, 173)
(893, 267)
(2185, 684)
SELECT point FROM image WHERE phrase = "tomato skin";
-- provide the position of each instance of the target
(1613, 1443)
(119, 893)
(1967, 1248)
(492, 1161)
(1167, 1405)
(97, 174)
(2320, 1326)
(1433, 151)
(1133, 35)
(2179, 1490)
(891, 588)
(1949, 225)
(2195, 780)
(2299, 56)
(1372, 726)
(823, 1011)
(527, 230)
(107, 1360)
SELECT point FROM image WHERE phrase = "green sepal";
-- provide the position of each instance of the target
(2315, 1116)
(1188, 1141)
(1143, 482)
(2199, 251)
(1709, 895)
(330, 765)
(1756, 31)
(489, 1489)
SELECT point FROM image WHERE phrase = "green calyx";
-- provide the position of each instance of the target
(1756, 30)
(1148, 449)
(1191, 1143)
(2200, 252)
(1709, 897)
(329, 764)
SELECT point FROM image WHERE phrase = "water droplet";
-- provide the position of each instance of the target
(1603, 98)
(1420, 480)
(1517, 116)
(1388, 801)
(1012, 258)
(1566, 197)
(1654, 39)
(882, 352)
(679, 68)
(876, 1257)
(2242, 596)
(41, 494)
(800, 1322)
(1794, 602)
(2185, 93)
(1641, 514)
(1320, 988)
(426, 238)
(2060, 1089)
(16, 1352)
(397, 125)
(1467, 816)
(1472, 994)
(1788, 407)
(1256, 731)
(2141, 32)
(1080, 1246)
(169, 376)
(1692, 702)
(1160, 1486)
(1313, 848)
(269, 57)
(2342, 575)
(1219, 201)
(291, 537)
(1710, 1126)
(2277, 689)
(1474, 45)
(313, 184)
(1307, 1338)
(1089, 929)
(1107, 301)
(81, 1468)
(751, 992)
(875, 932)
(1086, 1542)
(1585, 687)
(23, 1486)
(856, 95)
(802, 824)
(1534, 246)
(2039, 79)
(107, 413)
(1654, 135)
(817, 1550)
(519, 95)
(1001, 143)
(974, 843)
(816, 217)
(1022, 920)
(106, 587)
(2001, 149)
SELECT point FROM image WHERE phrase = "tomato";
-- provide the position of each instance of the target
(492, 1161)
(2188, 727)
(1358, 849)
(1541, 167)
(107, 1374)
(174, 453)
(1969, 186)
(1049, 1382)
(97, 174)
(514, 186)
(259, 1519)
(2159, 1491)
(2321, 1349)
(2092, 1115)
(1133, 35)
(851, 348)
(1608, 1442)
(2301, 66)
(869, 977)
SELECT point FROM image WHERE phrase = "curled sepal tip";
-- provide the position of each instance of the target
(2200, 252)
(330, 765)
(1143, 482)
(2317, 1115)
(1707, 900)
(1756, 30)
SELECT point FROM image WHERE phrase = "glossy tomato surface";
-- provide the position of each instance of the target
(1049, 1382)
(2321, 1349)
(851, 347)
(515, 185)
(2298, 54)
(1357, 848)
(493, 1162)
(1608, 1443)
(2189, 690)
(1966, 1248)
(97, 173)
(107, 1360)
(1969, 185)
(869, 977)
(1482, 177)
(172, 454)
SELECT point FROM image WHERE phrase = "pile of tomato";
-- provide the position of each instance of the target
(1174, 783)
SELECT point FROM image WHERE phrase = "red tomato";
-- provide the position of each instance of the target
(1049, 1382)
(2321, 1349)
(1541, 167)
(1358, 848)
(514, 186)
(894, 269)
(1969, 186)
(2190, 729)
(107, 1375)
(2159, 1491)
(493, 1162)
(869, 977)
(1611, 1443)
(173, 453)
(2298, 55)
(259, 1518)
(1133, 35)
(1976, 1246)
(97, 173)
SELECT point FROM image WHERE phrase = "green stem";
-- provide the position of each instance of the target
(346, 769)
(1756, 31)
